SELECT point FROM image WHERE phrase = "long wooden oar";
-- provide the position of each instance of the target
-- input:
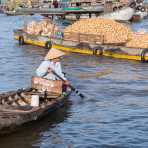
(72, 88)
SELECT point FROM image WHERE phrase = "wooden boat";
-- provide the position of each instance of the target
(92, 45)
(16, 108)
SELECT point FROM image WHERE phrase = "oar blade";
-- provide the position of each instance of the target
(79, 94)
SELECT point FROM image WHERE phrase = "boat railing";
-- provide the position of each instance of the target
(85, 38)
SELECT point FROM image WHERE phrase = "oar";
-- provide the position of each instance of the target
(72, 88)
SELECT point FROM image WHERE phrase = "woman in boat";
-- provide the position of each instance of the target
(51, 63)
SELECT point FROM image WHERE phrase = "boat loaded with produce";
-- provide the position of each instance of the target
(37, 33)
(98, 36)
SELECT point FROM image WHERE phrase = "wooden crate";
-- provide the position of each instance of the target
(84, 38)
(50, 86)
(71, 37)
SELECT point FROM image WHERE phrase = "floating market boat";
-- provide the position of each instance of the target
(26, 105)
(124, 14)
(92, 45)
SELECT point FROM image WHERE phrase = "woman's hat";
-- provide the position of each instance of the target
(53, 54)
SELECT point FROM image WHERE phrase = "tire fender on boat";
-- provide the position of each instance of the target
(139, 1)
(21, 40)
(133, 5)
(78, 16)
(48, 45)
(114, 9)
(143, 9)
(143, 55)
(98, 49)
(139, 8)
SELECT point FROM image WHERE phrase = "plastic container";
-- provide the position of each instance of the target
(35, 100)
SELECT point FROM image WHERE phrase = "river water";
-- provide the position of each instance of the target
(114, 113)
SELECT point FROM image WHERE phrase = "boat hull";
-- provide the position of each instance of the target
(12, 117)
(117, 52)
(25, 38)
(123, 53)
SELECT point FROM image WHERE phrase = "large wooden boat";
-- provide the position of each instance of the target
(16, 106)
(92, 45)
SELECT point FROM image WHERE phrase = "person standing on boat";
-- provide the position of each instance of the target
(51, 63)
(55, 4)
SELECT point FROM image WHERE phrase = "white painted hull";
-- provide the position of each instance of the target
(121, 15)
(142, 14)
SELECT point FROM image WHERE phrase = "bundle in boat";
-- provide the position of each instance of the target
(43, 28)
(138, 40)
(100, 30)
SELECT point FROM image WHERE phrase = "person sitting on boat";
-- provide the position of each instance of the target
(52, 63)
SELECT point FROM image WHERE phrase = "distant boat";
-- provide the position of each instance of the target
(124, 14)
(142, 14)
(139, 15)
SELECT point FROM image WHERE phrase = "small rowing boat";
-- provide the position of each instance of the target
(20, 107)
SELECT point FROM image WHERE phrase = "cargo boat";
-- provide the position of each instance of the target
(92, 45)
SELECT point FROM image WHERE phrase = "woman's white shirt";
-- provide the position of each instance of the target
(42, 70)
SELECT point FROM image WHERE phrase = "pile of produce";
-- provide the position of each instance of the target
(138, 40)
(44, 28)
(111, 31)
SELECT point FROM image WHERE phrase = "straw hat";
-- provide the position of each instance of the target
(53, 54)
